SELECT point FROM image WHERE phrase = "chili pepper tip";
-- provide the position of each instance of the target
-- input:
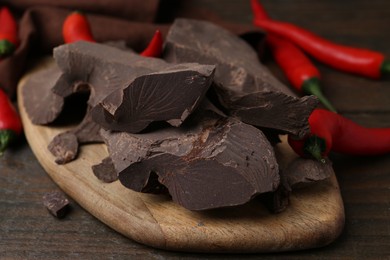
(6, 47)
(311, 86)
(155, 47)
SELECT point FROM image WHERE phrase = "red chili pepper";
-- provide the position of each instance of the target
(10, 123)
(9, 39)
(155, 47)
(299, 70)
(258, 10)
(354, 60)
(330, 131)
(76, 27)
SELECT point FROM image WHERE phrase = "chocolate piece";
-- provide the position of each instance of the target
(169, 95)
(299, 173)
(57, 203)
(209, 162)
(105, 171)
(245, 87)
(115, 77)
(42, 105)
(302, 172)
(103, 68)
(44, 93)
(130, 91)
(65, 146)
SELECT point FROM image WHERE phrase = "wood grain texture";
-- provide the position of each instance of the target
(314, 219)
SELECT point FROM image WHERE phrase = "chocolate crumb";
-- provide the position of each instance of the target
(105, 171)
(57, 203)
(64, 147)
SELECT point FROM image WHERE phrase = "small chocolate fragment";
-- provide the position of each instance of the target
(57, 203)
(302, 172)
(245, 87)
(209, 162)
(64, 147)
(105, 171)
(299, 173)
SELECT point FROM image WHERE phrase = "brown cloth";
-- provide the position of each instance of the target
(135, 21)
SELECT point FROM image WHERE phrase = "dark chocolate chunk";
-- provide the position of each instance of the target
(44, 92)
(105, 171)
(209, 162)
(57, 203)
(129, 91)
(42, 105)
(171, 140)
(104, 68)
(298, 173)
(302, 172)
(170, 95)
(245, 87)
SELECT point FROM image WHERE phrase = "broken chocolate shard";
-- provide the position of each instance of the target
(129, 91)
(170, 95)
(211, 162)
(104, 68)
(245, 87)
(57, 203)
(275, 110)
(302, 172)
(299, 173)
(65, 146)
(173, 140)
(42, 105)
(105, 171)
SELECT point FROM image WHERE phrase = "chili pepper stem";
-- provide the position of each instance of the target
(314, 146)
(6, 137)
(385, 68)
(312, 87)
(6, 47)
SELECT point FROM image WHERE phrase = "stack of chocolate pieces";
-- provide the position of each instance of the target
(191, 124)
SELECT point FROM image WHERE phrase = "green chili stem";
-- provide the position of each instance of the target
(312, 86)
(314, 146)
(385, 68)
(6, 47)
(6, 136)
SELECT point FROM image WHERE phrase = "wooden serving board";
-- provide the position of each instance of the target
(314, 218)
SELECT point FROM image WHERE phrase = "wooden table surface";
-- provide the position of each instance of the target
(28, 231)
